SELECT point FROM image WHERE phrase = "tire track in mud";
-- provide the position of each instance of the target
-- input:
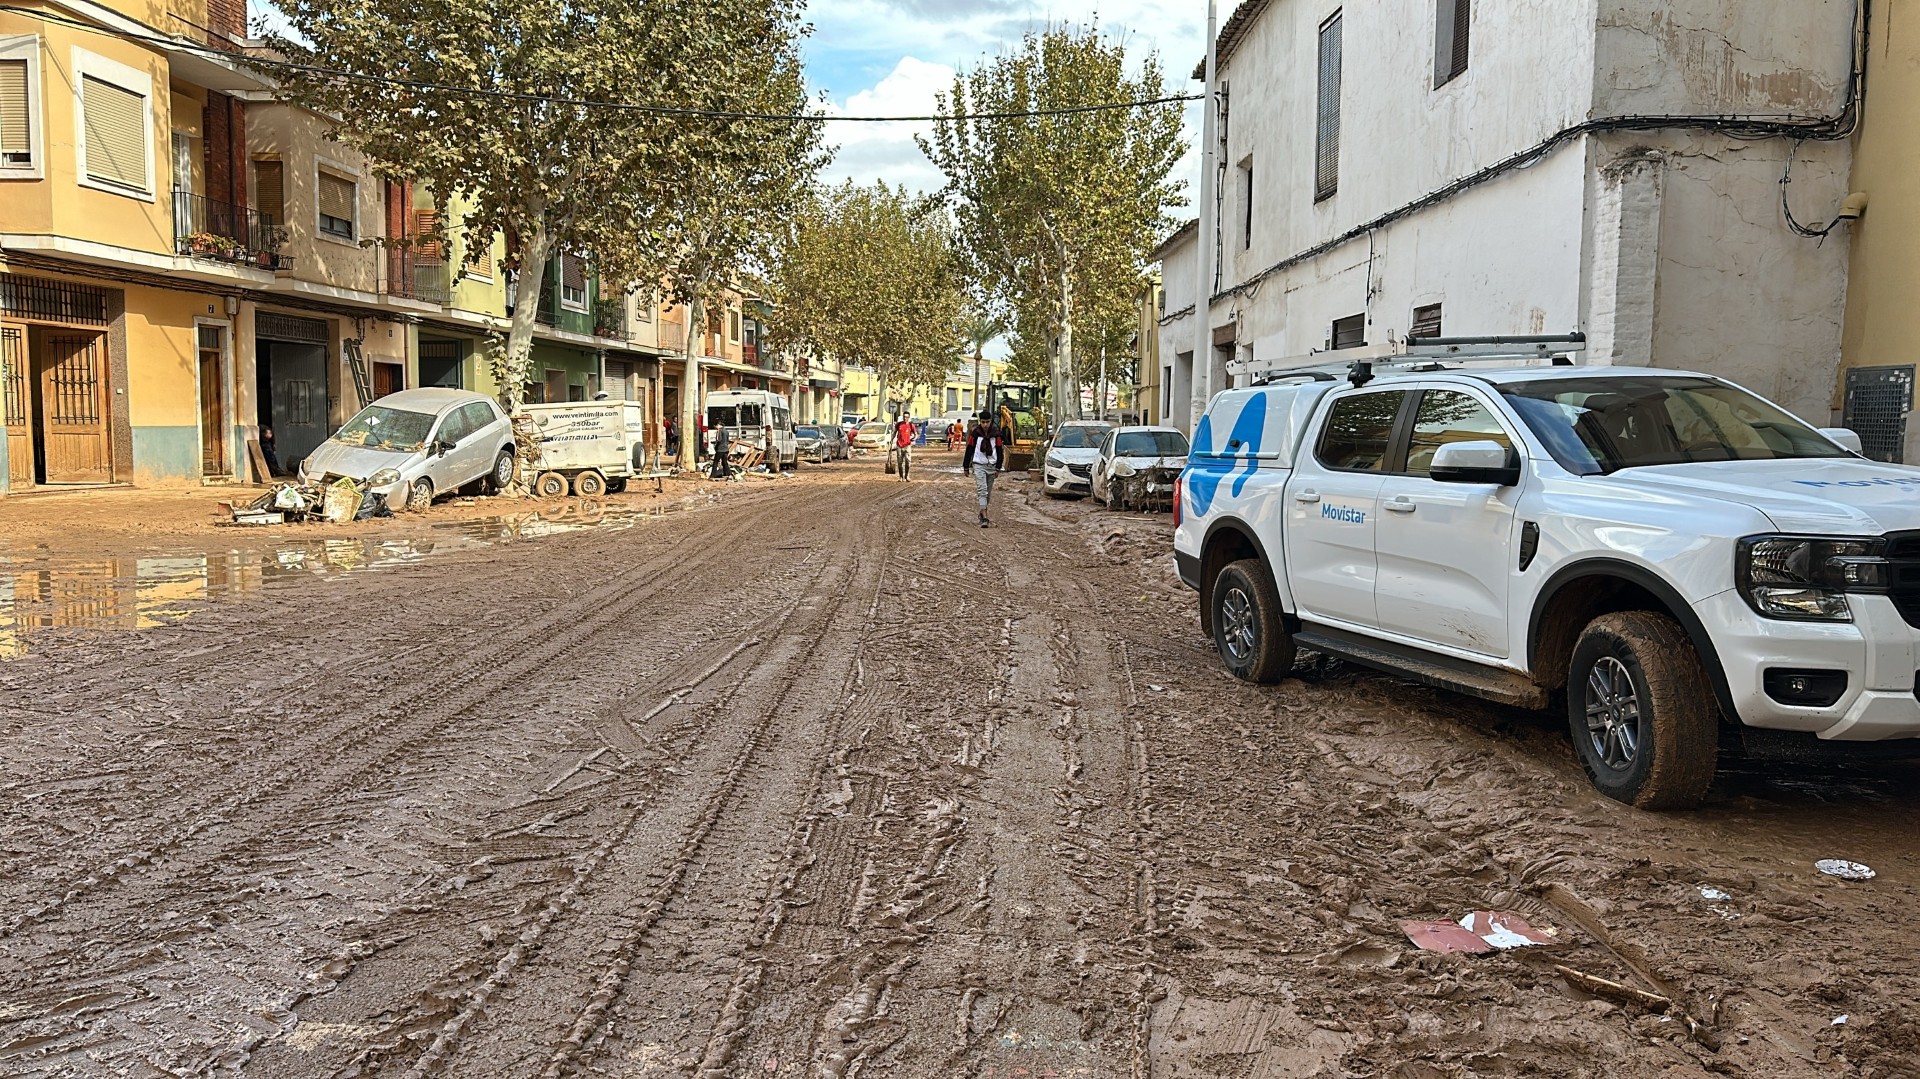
(476, 678)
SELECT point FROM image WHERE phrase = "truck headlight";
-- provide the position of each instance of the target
(386, 477)
(1806, 578)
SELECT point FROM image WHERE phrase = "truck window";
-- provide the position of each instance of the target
(1450, 416)
(1359, 431)
(722, 416)
(750, 415)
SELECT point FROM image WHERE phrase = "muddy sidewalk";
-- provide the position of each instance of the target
(827, 781)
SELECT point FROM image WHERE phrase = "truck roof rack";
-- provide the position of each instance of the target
(1415, 355)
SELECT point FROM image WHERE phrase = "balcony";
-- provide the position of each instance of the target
(222, 232)
(610, 318)
(416, 276)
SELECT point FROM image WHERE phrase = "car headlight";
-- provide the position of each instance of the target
(1055, 462)
(1806, 578)
(386, 477)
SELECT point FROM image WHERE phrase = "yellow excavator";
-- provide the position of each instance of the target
(1021, 408)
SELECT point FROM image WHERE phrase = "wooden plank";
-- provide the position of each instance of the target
(261, 473)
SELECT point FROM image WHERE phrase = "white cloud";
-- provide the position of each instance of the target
(886, 151)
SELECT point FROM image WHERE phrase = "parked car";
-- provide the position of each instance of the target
(1675, 557)
(1069, 461)
(416, 445)
(811, 442)
(872, 435)
(836, 437)
(936, 430)
(1137, 466)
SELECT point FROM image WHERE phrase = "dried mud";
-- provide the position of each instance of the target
(825, 781)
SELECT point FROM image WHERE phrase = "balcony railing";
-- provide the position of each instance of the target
(610, 318)
(222, 232)
(415, 276)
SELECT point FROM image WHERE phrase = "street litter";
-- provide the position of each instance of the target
(1838, 1021)
(341, 500)
(1845, 870)
(1478, 933)
(1713, 895)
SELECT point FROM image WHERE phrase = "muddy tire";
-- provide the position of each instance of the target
(1641, 711)
(502, 474)
(420, 495)
(589, 484)
(617, 485)
(1248, 632)
(550, 485)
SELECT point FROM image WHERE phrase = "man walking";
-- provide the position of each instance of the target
(903, 442)
(986, 453)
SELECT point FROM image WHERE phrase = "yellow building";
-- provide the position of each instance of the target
(863, 392)
(1875, 392)
(1149, 401)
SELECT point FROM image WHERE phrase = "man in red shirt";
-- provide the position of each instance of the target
(903, 441)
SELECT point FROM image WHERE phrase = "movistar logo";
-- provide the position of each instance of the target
(1343, 514)
(1881, 481)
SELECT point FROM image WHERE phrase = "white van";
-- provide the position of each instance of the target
(747, 414)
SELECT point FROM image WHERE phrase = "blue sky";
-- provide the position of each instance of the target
(889, 58)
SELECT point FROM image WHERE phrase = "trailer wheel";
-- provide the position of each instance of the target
(589, 484)
(616, 485)
(1644, 722)
(550, 485)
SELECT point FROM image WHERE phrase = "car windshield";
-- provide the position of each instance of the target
(380, 428)
(873, 428)
(1150, 444)
(1594, 426)
(806, 432)
(1081, 438)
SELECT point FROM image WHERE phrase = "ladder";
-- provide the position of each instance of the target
(357, 363)
(1415, 353)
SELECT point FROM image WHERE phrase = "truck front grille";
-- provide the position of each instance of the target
(1903, 550)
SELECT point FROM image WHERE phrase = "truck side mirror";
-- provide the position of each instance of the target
(1844, 438)
(1484, 461)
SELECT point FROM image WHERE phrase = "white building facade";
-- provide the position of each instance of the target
(1395, 168)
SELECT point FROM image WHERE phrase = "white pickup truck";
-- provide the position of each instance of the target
(1666, 548)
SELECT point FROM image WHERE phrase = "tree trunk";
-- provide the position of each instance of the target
(1065, 388)
(526, 304)
(693, 396)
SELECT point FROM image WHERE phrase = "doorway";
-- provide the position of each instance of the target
(388, 378)
(440, 363)
(213, 401)
(293, 397)
(70, 393)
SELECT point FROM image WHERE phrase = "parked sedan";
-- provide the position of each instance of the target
(872, 436)
(811, 443)
(1069, 461)
(836, 439)
(1137, 466)
(414, 445)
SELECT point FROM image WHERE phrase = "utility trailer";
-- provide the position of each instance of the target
(588, 447)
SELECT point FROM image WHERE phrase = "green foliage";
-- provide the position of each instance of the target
(869, 275)
(1057, 213)
(486, 118)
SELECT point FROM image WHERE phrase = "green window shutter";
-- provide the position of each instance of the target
(16, 122)
(115, 121)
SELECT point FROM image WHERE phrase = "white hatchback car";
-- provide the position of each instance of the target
(1144, 460)
(416, 444)
(1068, 468)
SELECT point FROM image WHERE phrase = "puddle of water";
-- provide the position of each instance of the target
(130, 593)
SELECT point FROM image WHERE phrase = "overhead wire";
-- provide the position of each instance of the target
(156, 39)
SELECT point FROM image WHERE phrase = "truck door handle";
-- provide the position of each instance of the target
(1306, 496)
(1400, 504)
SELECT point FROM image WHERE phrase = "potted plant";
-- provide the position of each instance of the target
(203, 243)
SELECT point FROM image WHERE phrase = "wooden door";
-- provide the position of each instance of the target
(16, 404)
(73, 407)
(388, 378)
(213, 402)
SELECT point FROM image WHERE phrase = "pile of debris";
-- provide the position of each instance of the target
(341, 500)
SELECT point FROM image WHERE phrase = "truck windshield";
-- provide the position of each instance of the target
(380, 428)
(1594, 426)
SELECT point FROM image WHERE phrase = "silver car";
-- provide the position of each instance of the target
(1137, 466)
(414, 445)
(1070, 457)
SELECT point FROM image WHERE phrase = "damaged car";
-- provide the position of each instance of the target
(416, 445)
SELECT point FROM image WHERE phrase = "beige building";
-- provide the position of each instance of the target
(1874, 393)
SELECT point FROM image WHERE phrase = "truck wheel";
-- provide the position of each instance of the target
(589, 484)
(1247, 631)
(1642, 713)
(550, 485)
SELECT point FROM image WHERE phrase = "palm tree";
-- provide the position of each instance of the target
(978, 329)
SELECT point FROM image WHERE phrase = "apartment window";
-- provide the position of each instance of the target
(1451, 22)
(1246, 203)
(733, 326)
(479, 255)
(20, 132)
(573, 282)
(1426, 321)
(1326, 137)
(118, 133)
(426, 235)
(336, 199)
(270, 190)
(1349, 332)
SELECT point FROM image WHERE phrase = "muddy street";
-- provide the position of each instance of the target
(822, 780)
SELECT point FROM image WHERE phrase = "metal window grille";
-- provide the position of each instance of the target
(1878, 400)
(1426, 321)
(279, 327)
(1349, 332)
(13, 375)
(299, 402)
(74, 394)
(1326, 161)
(53, 301)
(1452, 27)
